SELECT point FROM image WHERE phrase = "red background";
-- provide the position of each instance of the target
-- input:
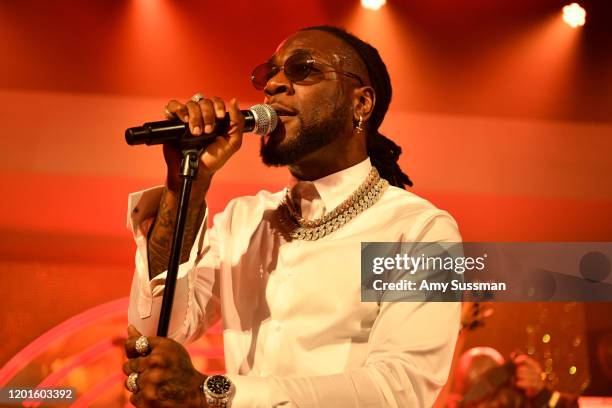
(503, 111)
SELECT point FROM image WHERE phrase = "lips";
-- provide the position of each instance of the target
(283, 110)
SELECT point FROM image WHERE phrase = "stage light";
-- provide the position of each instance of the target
(373, 4)
(574, 15)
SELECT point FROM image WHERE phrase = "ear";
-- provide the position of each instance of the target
(364, 100)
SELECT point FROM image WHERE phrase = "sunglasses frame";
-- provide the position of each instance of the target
(309, 61)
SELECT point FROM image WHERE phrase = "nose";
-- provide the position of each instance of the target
(278, 84)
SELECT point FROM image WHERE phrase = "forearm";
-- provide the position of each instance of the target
(159, 242)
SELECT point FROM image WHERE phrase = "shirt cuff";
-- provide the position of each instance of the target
(250, 391)
(142, 206)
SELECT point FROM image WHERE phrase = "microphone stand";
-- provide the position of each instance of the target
(188, 172)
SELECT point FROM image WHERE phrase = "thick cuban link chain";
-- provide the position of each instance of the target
(368, 193)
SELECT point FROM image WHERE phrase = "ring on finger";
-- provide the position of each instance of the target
(131, 382)
(197, 97)
(142, 345)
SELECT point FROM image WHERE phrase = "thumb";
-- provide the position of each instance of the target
(132, 331)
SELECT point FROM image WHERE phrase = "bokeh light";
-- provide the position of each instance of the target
(574, 15)
(373, 4)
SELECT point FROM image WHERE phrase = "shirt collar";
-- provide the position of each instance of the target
(337, 187)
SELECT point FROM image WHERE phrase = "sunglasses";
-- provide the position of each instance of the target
(300, 67)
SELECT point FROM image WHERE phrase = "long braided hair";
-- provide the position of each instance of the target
(383, 151)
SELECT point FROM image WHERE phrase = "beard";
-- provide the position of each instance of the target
(311, 136)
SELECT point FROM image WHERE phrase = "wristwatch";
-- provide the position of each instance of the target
(218, 390)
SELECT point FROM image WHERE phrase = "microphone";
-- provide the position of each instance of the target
(260, 119)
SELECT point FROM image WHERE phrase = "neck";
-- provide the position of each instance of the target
(325, 162)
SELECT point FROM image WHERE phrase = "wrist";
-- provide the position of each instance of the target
(217, 391)
(200, 185)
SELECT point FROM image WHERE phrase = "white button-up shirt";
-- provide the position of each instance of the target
(295, 330)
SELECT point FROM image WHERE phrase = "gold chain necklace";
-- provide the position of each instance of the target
(368, 193)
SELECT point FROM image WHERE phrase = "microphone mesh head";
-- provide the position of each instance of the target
(266, 119)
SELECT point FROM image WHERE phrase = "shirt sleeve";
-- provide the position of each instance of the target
(410, 351)
(196, 302)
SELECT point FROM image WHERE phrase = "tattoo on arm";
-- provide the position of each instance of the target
(160, 236)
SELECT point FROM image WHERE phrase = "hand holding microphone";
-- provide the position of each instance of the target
(202, 122)
(260, 119)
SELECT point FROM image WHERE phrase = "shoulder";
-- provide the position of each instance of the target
(424, 221)
(406, 204)
(261, 198)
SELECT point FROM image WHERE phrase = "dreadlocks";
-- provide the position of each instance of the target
(383, 151)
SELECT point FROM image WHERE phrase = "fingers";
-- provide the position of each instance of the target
(127, 387)
(147, 383)
(130, 344)
(147, 386)
(200, 116)
(219, 107)
(135, 400)
(236, 126)
(168, 365)
(130, 347)
(195, 117)
(208, 115)
(146, 391)
(217, 153)
(178, 109)
(150, 375)
(134, 365)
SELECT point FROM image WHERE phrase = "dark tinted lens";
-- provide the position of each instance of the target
(298, 66)
(261, 74)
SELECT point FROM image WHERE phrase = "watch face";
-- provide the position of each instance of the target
(218, 385)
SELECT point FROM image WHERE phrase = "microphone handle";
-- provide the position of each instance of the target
(176, 131)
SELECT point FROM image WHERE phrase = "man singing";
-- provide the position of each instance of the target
(282, 270)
